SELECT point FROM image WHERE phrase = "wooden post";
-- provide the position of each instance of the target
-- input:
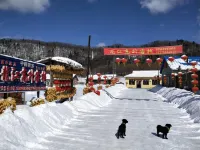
(38, 94)
(88, 65)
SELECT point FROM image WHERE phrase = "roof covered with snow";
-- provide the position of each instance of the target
(180, 62)
(63, 60)
(143, 74)
(109, 76)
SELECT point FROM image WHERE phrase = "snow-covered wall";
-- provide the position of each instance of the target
(184, 100)
(28, 125)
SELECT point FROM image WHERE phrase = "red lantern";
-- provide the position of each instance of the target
(118, 60)
(104, 77)
(92, 89)
(149, 61)
(194, 70)
(171, 59)
(184, 57)
(172, 75)
(194, 82)
(195, 89)
(98, 74)
(104, 82)
(90, 78)
(136, 61)
(194, 76)
(97, 92)
(91, 83)
(159, 60)
(124, 61)
(180, 74)
(193, 63)
(99, 79)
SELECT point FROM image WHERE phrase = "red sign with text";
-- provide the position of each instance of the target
(145, 51)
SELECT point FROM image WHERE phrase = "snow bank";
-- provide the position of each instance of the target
(27, 126)
(184, 100)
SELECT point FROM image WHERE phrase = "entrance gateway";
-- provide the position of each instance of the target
(147, 51)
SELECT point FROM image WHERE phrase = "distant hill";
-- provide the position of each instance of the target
(35, 50)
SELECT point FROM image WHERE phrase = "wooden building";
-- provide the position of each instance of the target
(178, 65)
(142, 79)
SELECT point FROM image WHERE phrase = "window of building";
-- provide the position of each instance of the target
(145, 82)
(131, 82)
(154, 82)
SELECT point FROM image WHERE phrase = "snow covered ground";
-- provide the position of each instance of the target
(90, 122)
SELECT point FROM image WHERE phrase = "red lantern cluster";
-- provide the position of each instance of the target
(62, 89)
(118, 60)
(136, 61)
(99, 77)
(105, 77)
(194, 77)
(90, 83)
(61, 82)
(165, 79)
(171, 59)
(123, 60)
(149, 61)
(159, 60)
(184, 57)
(173, 76)
(180, 74)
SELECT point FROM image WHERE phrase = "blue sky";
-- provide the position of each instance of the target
(129, 22)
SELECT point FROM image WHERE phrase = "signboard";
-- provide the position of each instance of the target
(21, 75)
(144, 51)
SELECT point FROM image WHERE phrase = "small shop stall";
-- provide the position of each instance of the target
(60, 72)
(17, 76)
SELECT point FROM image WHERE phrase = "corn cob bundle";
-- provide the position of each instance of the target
(51, 94)
(99, 87)
(55, 68)
(37, 101)
(66, 94)
(62, 76)
(7, 103)
(107, 86)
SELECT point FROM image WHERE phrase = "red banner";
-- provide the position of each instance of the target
(144, 51)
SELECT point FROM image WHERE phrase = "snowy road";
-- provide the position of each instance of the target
(95, 130)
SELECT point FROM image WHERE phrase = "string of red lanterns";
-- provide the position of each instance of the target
(194, 76)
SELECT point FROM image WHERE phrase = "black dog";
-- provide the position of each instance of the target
(164, 130)
(122, 129)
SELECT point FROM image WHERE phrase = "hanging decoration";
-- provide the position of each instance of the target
(194, 76)
(171, 59)
(180, 74)
(195, 89)
(159, 60)
(118, 60)
(194, 63)
(136, 61)
(149, 61)
(173, 76)
(99, 78)
(165, 79)
(105, 77)
(124, 61)
(184, 57)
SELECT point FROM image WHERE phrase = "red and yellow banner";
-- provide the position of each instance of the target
(144, 51)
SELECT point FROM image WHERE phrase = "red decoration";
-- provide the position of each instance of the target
(23, 77)
(193, 63)
(184, 57)
(92, 89)
(91, 83)
(36, 76)
(194, 76)
(98, 74)
(195, 89)
(194, 82)
(136, 61)
(97, 92)
(172, 75)
(43, 76)
(30, 77)
(171, 59)
(159, 60)
(149, 61)
(104, 77)
(90, 78)
(118, 60)
(124, 61)
(180, 74)
(194, 70)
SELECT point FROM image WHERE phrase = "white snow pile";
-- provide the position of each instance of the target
(27, 127)
(183, 99)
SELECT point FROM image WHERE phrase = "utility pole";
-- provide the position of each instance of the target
(88, 65)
